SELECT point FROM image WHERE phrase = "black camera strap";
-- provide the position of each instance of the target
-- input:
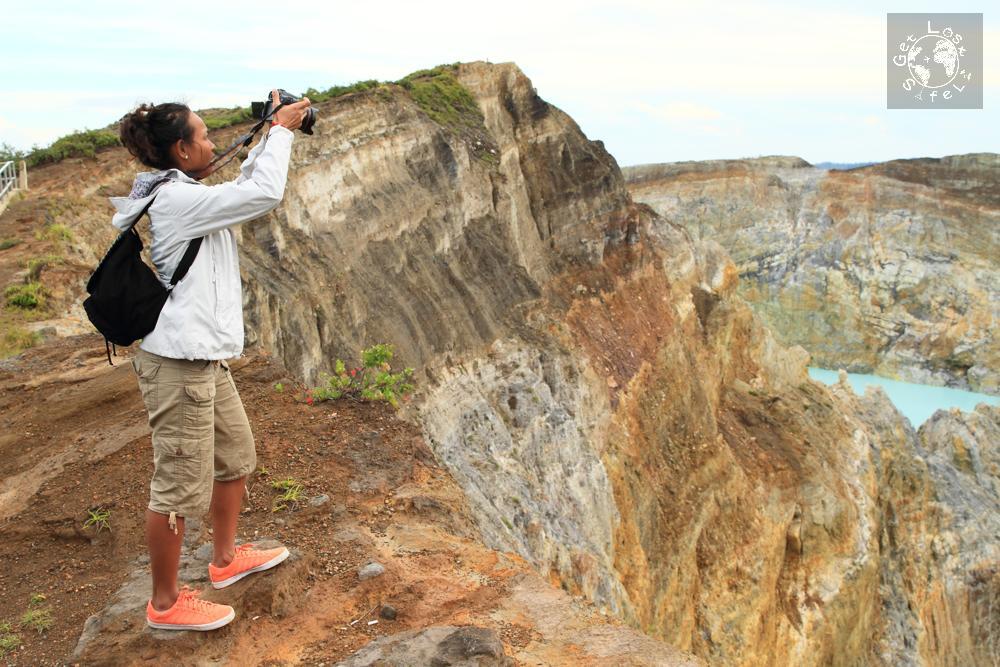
(242, 141)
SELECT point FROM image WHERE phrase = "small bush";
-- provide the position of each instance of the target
(10, 154)
(278, 387)
(373, 380)
(27, 296)
(9, 243)
(78, 144)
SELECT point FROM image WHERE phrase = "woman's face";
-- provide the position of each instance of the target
(192, 157)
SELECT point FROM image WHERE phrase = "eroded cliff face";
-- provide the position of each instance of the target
(613, 409)
(889, 269)
(395, 228)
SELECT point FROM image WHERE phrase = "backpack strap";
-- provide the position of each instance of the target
(193, 246)
(186, 261)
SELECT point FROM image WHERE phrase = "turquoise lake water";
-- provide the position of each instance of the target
(916, 401)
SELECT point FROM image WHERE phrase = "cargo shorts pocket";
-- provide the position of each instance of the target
(179, 475)
(146, 370)
(199, 407)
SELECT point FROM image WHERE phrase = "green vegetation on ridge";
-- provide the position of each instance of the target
(435, 90)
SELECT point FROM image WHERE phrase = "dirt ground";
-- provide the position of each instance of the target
(75, 439)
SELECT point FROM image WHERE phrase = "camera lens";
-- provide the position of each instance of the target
(308, 121)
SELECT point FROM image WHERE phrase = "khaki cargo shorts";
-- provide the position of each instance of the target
(200, 430)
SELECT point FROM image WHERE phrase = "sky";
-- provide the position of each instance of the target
(656, 81)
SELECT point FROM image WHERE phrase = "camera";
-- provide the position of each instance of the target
(263, 109)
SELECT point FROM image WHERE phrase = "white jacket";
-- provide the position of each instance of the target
(203, 317)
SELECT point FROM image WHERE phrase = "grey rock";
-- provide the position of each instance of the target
(437, 646)
(370, 570)
(319, 500)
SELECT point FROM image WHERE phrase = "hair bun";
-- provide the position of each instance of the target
(149, 130)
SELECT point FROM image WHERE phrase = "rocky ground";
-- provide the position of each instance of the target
(75, 440)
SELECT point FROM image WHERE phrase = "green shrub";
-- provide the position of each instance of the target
(9, 243)
(78, 144)
(27, 296)
(8, 153)
(373, 380)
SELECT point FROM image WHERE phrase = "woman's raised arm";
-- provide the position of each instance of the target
(199, 209)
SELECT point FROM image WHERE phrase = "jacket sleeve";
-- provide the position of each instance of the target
(199, 210)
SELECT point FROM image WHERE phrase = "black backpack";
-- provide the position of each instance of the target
(126, 297)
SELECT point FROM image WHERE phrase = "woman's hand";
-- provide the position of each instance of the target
(292, 115)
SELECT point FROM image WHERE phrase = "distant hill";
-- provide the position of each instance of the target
(842, 165)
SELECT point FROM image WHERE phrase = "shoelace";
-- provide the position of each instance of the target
(190, 598)
(243, 550)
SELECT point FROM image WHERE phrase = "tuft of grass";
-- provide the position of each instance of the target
(16, 340)
(36, 265)
(292, 493)
(278, 387)
(9, 641)
(26, 296)
(100, 517)
(9, 243)
(36, 619)
(57, 232)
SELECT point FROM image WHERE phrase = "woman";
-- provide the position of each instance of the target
(203, 448)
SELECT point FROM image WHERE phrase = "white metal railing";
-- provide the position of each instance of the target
(8, 178)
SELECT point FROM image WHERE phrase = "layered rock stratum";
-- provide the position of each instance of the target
(889, 269)
(612, 418)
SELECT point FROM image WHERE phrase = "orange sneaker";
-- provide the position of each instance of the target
(247, 561)
(190, 612)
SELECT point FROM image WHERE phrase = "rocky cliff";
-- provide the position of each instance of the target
(611, 409)
(888, 269)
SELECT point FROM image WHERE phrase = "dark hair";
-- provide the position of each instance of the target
(149, 130)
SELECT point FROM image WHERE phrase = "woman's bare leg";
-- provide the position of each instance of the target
(164, 557)
(227, 498)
